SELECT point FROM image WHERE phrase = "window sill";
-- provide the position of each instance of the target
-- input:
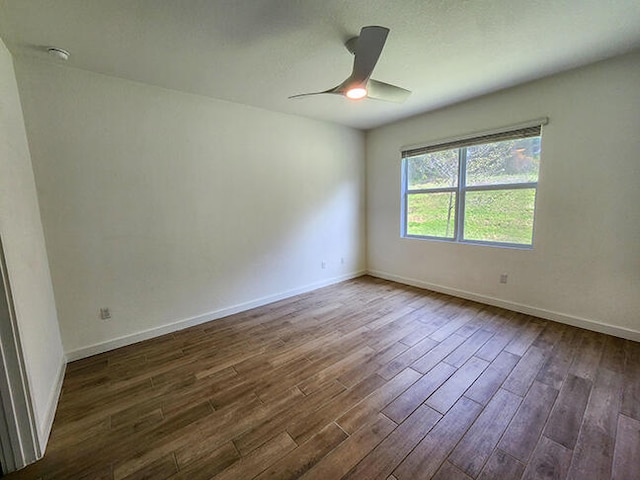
(514, 246)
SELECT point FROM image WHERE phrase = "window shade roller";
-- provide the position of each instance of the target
(531, 130)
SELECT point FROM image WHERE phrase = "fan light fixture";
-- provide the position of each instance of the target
(356, 93)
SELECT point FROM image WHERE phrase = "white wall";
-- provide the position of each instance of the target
(26, 256)
(166, 206)
(585, 265)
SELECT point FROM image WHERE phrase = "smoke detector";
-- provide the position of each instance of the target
(58, 53)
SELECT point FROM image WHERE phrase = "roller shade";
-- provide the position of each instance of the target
(533, 129)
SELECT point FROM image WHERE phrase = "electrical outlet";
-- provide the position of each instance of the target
(323, 264)
(503, 278)
(105, 313)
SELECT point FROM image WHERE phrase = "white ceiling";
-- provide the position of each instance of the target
(259, 52)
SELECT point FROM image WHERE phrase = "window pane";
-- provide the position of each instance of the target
(500, 216)
(431, 214)
(511, 161)
(433, 170)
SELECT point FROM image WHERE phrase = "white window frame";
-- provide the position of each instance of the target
(461, 189)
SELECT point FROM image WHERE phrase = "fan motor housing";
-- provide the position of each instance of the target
(351, 45)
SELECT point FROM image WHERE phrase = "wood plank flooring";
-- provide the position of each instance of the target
(366, 379)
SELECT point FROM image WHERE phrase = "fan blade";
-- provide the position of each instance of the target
(300, 95)
(331, 90)
(368, 49)
(384, 91)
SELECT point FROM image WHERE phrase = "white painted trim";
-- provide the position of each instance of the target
(15, 394)
(197, 320)
(52, 405)
(594, 325)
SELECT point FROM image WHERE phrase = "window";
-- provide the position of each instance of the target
(478, 190)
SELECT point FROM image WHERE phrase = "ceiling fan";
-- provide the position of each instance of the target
(366, 49)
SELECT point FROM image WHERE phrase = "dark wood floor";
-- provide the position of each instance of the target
(365, 379)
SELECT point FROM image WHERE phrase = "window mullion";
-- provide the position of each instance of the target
(501, 186)
(434, 190)
(462, 180)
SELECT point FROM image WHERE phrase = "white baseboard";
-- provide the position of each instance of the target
(516, 307)
(197, 320)
(44, 429)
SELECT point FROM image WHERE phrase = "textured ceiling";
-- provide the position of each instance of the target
(259, 52)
